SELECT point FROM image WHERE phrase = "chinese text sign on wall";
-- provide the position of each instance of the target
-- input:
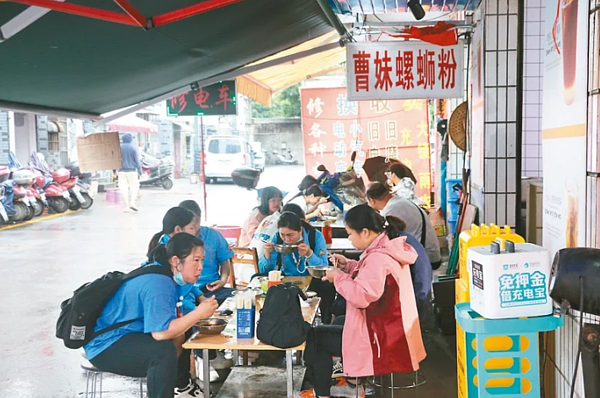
(404, 70)
(214, 100)
(334, 127)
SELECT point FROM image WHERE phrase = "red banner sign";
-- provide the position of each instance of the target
(334, 127)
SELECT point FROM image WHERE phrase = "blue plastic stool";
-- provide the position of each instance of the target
(486, 371)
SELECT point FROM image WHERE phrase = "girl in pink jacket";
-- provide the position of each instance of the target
(381, 333)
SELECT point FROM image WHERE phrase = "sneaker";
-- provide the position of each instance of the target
(134, 208)
(220, 362)
(308, 393)
(341, 388)
(189, 391)
(338, 369)
(214, 376)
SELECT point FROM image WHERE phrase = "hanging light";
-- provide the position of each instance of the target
(416, 9)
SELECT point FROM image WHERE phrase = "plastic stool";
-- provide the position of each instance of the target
(94, 380)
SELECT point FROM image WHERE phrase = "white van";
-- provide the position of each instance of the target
(226, 153)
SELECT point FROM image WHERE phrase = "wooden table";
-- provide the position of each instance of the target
(228, 341)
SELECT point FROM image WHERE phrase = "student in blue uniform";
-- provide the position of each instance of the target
(176, 220)
(149, 347)
(215, 274)
(217, 256)
(311, 251)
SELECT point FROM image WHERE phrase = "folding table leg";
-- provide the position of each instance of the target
(206, 370)
(290, 373)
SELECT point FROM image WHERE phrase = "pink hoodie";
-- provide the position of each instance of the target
(382, 332)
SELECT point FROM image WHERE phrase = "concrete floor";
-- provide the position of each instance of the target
(42, 263)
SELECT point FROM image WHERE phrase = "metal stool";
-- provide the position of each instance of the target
(94, 380)
(419, 381)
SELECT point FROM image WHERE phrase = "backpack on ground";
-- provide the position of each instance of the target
(78, 314)
(281, 323)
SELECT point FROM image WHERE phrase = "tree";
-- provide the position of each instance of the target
(285, 104)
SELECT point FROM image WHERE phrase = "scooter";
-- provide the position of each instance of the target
(156, 172)
(79, 192)
(23, 180)
(23, 209)
(282, 159)
(57, 197)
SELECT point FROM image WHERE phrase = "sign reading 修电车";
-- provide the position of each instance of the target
(214, 100)
(404, 70)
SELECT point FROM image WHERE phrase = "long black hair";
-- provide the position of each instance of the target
(312, 190)
(294, 208)
(180, 246)
(377, 191)
(175, 217)
(292, 220)
(363, 216)
(307, 182)
(267, 194)
(191, 205)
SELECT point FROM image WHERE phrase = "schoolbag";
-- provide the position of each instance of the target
(311, 241)
(281, 323)
(78, 314)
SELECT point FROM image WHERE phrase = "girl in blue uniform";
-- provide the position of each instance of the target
(294, 231)
(149, 346)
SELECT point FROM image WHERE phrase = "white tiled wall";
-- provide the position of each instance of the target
(532, 88)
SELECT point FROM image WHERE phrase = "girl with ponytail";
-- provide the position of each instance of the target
(381, 326)
(176, 220)
(309, 200)
(148, 332)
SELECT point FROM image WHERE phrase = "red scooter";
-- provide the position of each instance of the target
(57, 197)
(80, 197)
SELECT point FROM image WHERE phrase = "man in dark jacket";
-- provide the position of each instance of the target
(131, 169)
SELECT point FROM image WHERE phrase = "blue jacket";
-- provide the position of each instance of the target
(130, 156)
(421, 271)
(288, 261)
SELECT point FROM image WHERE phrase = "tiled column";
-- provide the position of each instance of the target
(533, 54)
(4, 137)
(502, 123)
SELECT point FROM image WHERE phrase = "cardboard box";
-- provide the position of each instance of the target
(100, 151)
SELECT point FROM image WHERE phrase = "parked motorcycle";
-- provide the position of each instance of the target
(23, 209)
(57, 197)
(78, 191)
(156, 172)
(285, 159)
(25, 201)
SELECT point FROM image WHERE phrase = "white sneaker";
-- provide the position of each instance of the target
(214, 376)
(338, 369)
(341, 388)
(220, 362)
(192, 390)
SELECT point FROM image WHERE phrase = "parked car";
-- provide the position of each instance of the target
(259, 156)
(225, 154)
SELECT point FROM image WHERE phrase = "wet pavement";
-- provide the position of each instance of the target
(42, 263)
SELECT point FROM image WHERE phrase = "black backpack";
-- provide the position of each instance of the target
(281, 323)
(78, 314)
